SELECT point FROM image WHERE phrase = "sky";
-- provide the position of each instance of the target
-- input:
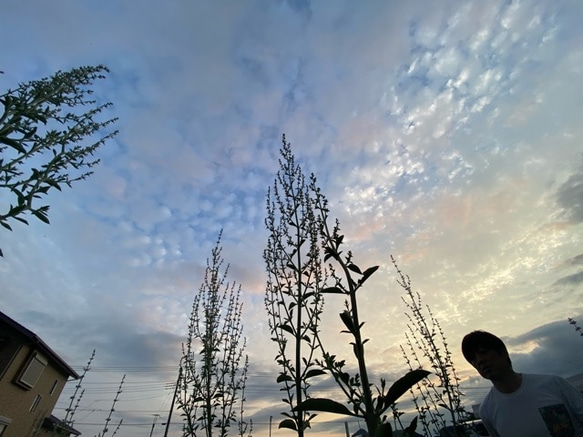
(446, 134)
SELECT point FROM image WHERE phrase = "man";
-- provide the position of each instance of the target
(522, 405)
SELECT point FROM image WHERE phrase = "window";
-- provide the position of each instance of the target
(35, 403)
(32, 371)
(4, 422)
(54, 387)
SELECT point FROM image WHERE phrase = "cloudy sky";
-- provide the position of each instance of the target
(446, 134)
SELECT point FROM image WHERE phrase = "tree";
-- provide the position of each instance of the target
(441, 403)
(48, 135)
(211, 392)
(295, 277)
(298, 218)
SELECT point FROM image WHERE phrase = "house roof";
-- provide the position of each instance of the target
(40, 344)
(52, 423)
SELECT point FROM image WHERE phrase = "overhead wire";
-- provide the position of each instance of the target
(145, 389)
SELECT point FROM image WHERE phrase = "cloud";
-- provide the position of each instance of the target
(571, 280)
(570, 196)
(574, 261)
(155, 348)
(553, 348)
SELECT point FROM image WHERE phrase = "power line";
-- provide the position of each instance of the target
(127, 369)
(107, 410)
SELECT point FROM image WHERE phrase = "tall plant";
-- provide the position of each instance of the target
(287, 260)
(75, 400)
(295, 276)
(76, 396)
(438, 403)
(365, 400)
(211, 391)
(111, 410)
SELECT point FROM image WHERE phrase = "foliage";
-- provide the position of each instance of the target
(42, 126)
(299, 280)
(213, 369)
(295, 276)
(427, 345)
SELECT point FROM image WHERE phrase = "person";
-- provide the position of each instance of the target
(521, 404)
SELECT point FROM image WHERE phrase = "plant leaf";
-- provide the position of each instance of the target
(324, 405)
(367, 273)
(403, 384)
(6, 225)
(14, 144)
(42, 216)
(384, 430)
(345, 316)
(289, 424)
(314, 372)
(354, 268)
(283, 377)
(287, 328)
(332, 290)
(410, 430)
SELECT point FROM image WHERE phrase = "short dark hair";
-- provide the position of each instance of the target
(481, 340)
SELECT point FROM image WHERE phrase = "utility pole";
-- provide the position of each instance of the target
(270, 419)
(154, 424)
(173, 399)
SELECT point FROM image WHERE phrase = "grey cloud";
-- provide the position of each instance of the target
(570, 196)
(558, 349)
(152, 349)
(571, 280)
(576, 260)
(302, 7)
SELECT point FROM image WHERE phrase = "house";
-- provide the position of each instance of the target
(32, 376)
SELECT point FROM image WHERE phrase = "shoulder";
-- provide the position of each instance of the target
(540, 378)
(545, 381)
(486, 403)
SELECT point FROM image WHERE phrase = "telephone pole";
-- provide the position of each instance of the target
(173, 399)
(154, 424)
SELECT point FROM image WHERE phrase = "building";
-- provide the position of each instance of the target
(32, 376)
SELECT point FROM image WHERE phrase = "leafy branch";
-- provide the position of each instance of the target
(43, 124)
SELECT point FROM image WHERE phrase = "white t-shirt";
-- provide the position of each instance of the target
(543, 406)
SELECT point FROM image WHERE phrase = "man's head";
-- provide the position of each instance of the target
(487, 353)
